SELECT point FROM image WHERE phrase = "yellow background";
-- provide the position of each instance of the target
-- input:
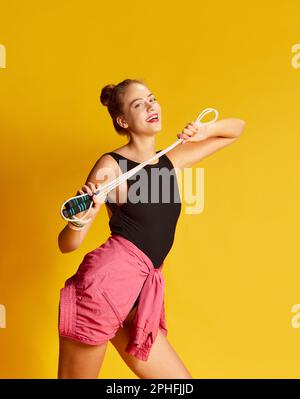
(232, 275)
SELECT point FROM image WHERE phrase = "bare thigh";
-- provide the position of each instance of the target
(78, 360)
(163, 361)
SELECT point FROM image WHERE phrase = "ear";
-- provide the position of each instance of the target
(121, 121)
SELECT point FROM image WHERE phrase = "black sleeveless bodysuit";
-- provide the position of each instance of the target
(149, 221)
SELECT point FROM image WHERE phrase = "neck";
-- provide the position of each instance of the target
(142, 147)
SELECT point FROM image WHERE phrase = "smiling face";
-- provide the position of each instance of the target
(138, 104)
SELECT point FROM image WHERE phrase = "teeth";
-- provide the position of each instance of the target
(152, 117)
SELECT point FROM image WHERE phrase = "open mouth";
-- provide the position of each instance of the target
(153, 119)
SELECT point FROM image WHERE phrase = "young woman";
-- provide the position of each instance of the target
(117, 293)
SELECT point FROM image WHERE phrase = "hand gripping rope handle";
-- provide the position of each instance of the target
(80, 203)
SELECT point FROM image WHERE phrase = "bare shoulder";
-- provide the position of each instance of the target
(105, 169)
(123, 150)
(106, 160)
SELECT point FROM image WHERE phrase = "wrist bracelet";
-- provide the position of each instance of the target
(77, 224)
(73, 227)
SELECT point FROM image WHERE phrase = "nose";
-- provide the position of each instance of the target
(149, 104)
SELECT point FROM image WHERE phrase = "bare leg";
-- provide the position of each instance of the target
(163, 361)
(78, 360)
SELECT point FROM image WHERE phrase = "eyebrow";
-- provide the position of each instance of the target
(139, 99)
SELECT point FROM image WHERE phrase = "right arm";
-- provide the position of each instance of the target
(104, 171)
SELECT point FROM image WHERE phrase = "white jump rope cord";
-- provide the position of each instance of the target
(105, 189)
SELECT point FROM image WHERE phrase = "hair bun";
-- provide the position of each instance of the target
(106, 94)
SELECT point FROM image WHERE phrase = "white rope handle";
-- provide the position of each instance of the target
(105, 189)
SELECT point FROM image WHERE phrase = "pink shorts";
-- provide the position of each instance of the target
(98, 297)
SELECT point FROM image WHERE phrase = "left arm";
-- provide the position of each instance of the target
(200, 142)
